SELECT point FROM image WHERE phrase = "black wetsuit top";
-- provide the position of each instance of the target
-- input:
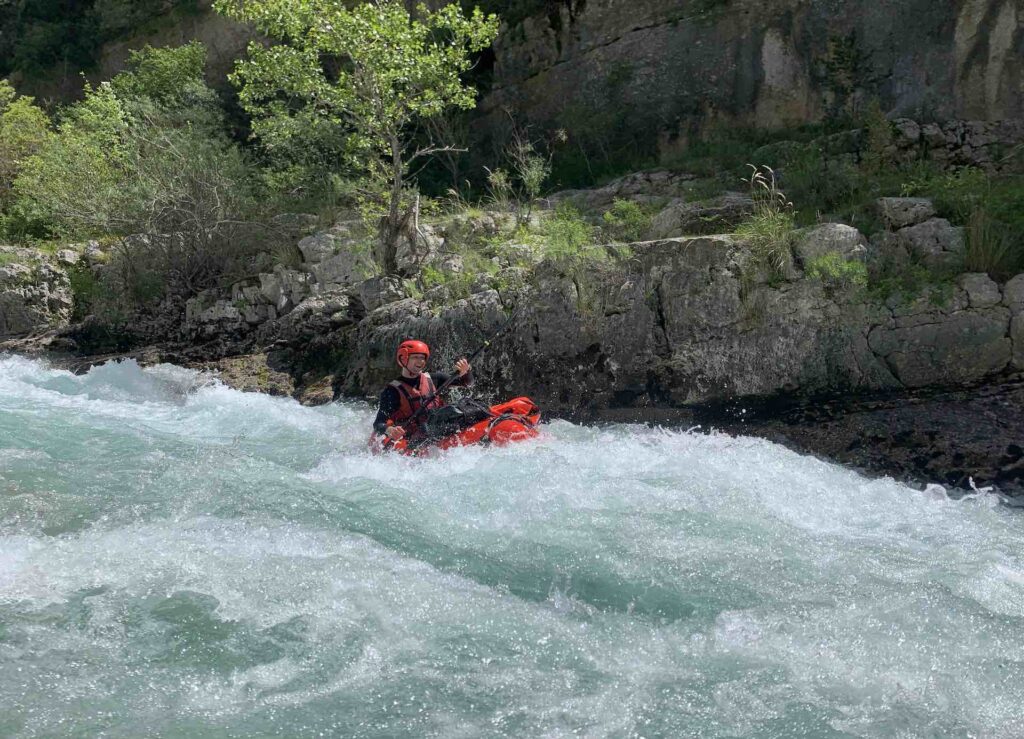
(390, 401)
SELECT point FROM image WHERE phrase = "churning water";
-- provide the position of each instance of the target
(178, 559)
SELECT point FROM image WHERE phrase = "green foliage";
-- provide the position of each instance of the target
(24, 129)
(769, 231)
(991, 207)
(372, 71)
(627, 220)
(604, 136)
(118, 18)
(89, 294)
(845, 65)
(71, 185)
(459, 284)
(518, 187)
(878, 140)
(956, 194)
(908, 282)
(143, 158)
(725, 151)
(171, 76)
(991, 247)
(566, 236)
(837, 272)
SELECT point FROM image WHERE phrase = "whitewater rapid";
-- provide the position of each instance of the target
(179, 559)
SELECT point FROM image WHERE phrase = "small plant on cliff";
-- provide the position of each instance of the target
(518, 185)
(837, 273)
(371, 71)
(878, 140)
(566, 235)
(769, 230)
(990, 247)
(626, 220)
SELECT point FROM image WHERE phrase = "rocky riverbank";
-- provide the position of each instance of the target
(680, 329)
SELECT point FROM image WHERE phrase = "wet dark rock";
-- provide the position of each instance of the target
(935, 436)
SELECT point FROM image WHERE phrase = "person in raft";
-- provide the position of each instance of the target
(402, 398)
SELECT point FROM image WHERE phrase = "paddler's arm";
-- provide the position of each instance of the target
(389, 402)
(464, 377)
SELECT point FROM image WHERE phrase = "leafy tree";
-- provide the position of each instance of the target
(168, 77)
(24, 128)
(71, 185)
(374, 71)
(135, 159)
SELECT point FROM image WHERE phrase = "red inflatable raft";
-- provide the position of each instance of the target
(513, 420)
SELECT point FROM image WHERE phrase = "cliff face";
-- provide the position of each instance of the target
(675, 66)
(665, 69)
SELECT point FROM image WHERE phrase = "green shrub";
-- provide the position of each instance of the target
(126, 162)
(627, 220)
(459, 284)
(89, 294)
(837, 272)
(170, 77)
(566, 236)
(24, 129)
(73, 185)
(878, 139)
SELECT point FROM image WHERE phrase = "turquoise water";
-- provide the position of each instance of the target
(178, 559)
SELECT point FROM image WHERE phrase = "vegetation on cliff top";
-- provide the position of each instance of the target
(342, 119)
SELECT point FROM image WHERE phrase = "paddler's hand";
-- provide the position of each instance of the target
(462, 367)
(394, 432)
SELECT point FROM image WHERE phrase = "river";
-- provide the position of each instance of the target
(179, 559)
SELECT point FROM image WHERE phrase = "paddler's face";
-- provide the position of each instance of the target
(416, 363)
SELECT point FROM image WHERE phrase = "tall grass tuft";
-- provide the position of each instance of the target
(990, 248)
(769, 230)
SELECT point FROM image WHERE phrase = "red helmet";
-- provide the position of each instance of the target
(411, 346)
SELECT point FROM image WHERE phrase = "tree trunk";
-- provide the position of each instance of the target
(392, 226)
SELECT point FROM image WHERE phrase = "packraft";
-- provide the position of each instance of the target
(467, 422)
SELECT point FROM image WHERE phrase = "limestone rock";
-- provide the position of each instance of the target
(314, 316)
(34, 294)
(344, 268)
(654, 188)
(67, 257)
(1013, 293)
(1013, 298)
(982, 291)
(416, 248)
(207, 316)
(284, 288)
(830, 238)
(718, 215)
(897, 213)
(961, 348)
(371, 294)
(1017, 337)
(94, 254)
(935, 242)
(296, 222)
(324, 245)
